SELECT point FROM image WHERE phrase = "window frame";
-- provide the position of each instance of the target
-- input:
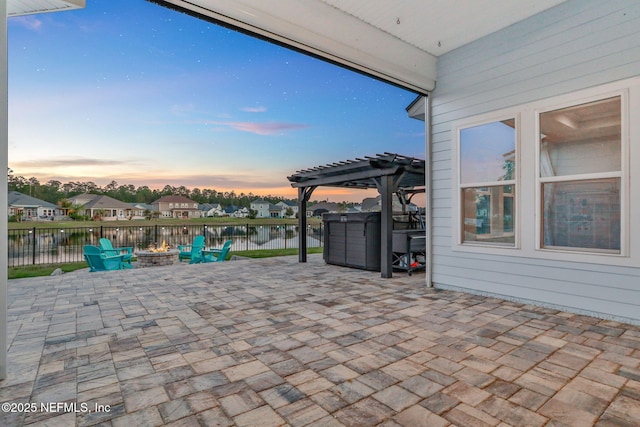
(459, 187)
(566, 101)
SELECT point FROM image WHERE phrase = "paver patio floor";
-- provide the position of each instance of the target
(273, 342)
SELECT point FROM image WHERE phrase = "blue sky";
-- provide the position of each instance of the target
(130, 91)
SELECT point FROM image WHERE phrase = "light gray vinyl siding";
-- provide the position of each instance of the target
(575, 45)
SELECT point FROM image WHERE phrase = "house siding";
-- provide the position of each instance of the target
(576, 45)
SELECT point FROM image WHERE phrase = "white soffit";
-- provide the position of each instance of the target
(27, 7)
(438, 26)
(397, 41)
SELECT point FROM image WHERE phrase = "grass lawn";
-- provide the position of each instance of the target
(42, 269)
(47, 269)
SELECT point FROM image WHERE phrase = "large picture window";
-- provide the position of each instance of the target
(551, 179)
(580, 172)
(487, 179)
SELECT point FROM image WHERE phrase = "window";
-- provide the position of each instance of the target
(487, 182)
(580, 175)
(551, 179)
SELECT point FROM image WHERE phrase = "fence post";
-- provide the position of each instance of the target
(101, 232)
(246, 233)
(204, 233)
(33, 249)
(155, 233)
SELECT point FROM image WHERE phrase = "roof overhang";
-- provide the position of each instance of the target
(395, 41)
(418, 109)
(28, 7)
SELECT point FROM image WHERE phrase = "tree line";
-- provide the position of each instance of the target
(54, 191)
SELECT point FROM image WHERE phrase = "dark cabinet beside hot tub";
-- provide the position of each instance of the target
(352, 240)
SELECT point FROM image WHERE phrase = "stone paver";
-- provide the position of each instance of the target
(273, 342)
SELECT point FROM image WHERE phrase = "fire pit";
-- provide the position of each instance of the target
(153, 256)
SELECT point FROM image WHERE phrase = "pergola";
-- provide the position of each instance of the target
(389, 173)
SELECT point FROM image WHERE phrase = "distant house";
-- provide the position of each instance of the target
(230, 210)
(261, 207)
(323, 207)
(140, 210)
(211, 209)
(241, 212)
(265, 209)
(29, 208)
(353, 209)
(103, 207)
(285, 206)
(275, 211)
(374, 204)
(177, 207)
(82, 199)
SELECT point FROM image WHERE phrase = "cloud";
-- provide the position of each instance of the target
(271, 128)
(260, 109)
(28, 22)
(216, 181)
(66, 162)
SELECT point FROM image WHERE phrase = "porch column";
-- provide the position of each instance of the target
(4, 141)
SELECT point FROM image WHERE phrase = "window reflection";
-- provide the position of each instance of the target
(488, 182)
(581, 139)
(487, 152)
(582, 214)
(489, 215)
(580, 174)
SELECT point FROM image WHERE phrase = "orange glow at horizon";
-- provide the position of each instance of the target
(331, 194)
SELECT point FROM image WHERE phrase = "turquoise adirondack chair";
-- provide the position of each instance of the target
(99, 261)
(216, 254)
(107, 248)
(192, 252)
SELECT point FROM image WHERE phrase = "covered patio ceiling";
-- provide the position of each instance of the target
(28, 7)
(398, 42)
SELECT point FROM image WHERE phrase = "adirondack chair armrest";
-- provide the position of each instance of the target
(126, 249)
(216, 254)
(110, 257)
(214, 251)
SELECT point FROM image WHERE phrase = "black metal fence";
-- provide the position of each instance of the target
(55, 246)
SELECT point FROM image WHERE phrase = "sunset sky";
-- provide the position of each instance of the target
(130, 91)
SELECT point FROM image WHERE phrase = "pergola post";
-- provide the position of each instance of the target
(386, 188)
(304, 194)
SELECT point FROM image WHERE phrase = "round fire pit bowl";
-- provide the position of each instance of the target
(155, 259)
